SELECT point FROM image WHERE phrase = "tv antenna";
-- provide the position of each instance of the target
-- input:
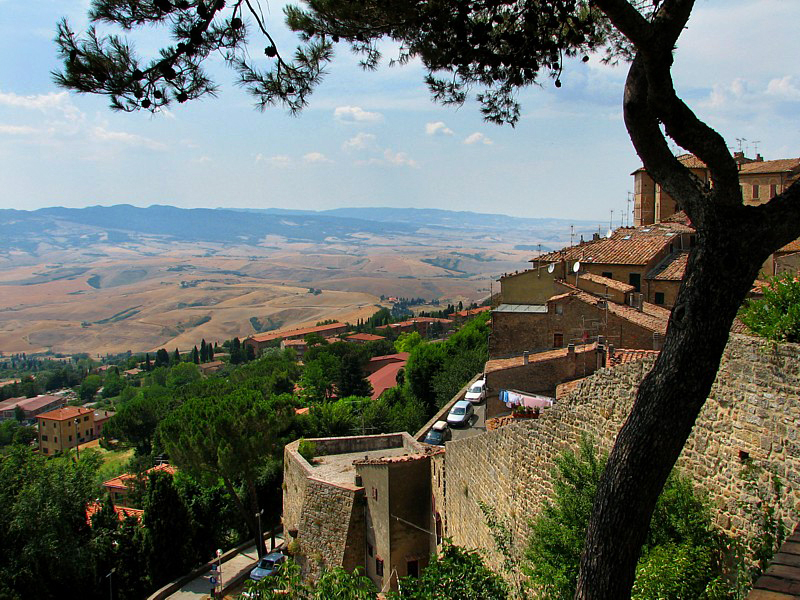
(755, 146)
(571, 234)
(740, 141)
(611, 220)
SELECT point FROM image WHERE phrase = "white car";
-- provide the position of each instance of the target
(267, 566)
(461, 414)
(477, 392)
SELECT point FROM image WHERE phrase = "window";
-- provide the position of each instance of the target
(412, 568)
(755, 191)
(55, 440)
(370, 550)
(659, 298)
(44, 438)
(374, 493)
(559, 309)
(44, 450)
(635, 279)
(773, 190)
(70, 438)
(86, 418)
(558, 340)
(608, 274)
(379, 567)
(54, 424)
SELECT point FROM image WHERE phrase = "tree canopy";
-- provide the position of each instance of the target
(492, 49)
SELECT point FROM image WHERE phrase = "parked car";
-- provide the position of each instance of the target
(477, 392)
(267, 566)
(438, 434)
(460, 414)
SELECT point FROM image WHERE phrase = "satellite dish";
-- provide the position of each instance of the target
(551, 267)
(576, 267)
(609, 233)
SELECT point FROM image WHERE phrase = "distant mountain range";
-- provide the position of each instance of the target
(81, 227)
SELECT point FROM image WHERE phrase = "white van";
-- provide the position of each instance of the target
(476, 392)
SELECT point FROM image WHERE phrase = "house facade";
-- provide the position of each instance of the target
(65, 428)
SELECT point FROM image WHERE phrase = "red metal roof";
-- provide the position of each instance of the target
(385, 378)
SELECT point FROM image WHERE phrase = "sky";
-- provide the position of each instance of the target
(376, 138)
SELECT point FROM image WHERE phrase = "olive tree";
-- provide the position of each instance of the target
(492, 48)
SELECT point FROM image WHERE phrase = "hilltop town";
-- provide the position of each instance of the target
(348, 436)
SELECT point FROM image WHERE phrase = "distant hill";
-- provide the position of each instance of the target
(82, 227)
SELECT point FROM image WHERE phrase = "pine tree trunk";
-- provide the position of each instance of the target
(720, 272)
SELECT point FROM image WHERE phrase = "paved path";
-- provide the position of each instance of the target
(200, 588)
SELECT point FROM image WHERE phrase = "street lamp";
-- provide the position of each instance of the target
(77, 443)
(219, 569)
(260, 540)
(110, 589)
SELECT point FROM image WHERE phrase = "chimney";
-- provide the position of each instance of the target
(525, 356)
(759, 158)
(601, 356)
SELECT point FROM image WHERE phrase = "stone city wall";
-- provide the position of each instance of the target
(752, 413)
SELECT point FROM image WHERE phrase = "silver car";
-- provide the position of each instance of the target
(461, 414)
(267, 566)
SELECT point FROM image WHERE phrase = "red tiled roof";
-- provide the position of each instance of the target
(624, 356)
(365, 337)
(671, 268)
(782, 165)
(626, 246)
(500, 364)
(274, 335)
(793, 246)
(394, 357)
(610, 283)
(472, 311)
(679, 217)
(417, 320)
(62, 414)
(121, 481)
(652, 317)
(122, 511)
(384, 378)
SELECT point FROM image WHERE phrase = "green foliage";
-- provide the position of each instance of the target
(771, 528)
(679, 560)
(167, 530)
(183, 374)
(89, 387)
(351, 380)
(44, 535)
(333, 584)
(775, 316)
(334, 419)
(307, 449)
(136, 420)
(455, 574)
(406, 342)
(12, 432)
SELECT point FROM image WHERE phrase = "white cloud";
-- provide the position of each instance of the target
(437, 128)
(46, 103)
(360, 141)
(279, 160)
(316, 157)
(19, 130)
(476, 138)
(356, 114)
(784, 88)
(398, 159)
(131, 139)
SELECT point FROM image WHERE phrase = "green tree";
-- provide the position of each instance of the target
(113, 384)
(167, 531)
(135, 421)
(162, 358)
(351, 379)
(317, 380)
(455, 573)
(497, 49)
(776, 315)
(229, 438)
(44, 534)
(89, 387)
(183, 374)
(680, 529)
(406, 342)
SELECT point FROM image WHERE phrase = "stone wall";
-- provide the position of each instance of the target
(753, 411)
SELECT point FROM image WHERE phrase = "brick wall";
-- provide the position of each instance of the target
(753, 408)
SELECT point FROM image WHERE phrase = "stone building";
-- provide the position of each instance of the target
(760, 180)
(263, 340)
(361, 501)
(596, 307)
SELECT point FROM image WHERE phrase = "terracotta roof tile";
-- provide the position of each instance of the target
(652, 317)
(610, 283)
(624, 356)
(366, 337)
(68, 412)
(671, 268)
(793, 246)
(783, 165)
(626, 246)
